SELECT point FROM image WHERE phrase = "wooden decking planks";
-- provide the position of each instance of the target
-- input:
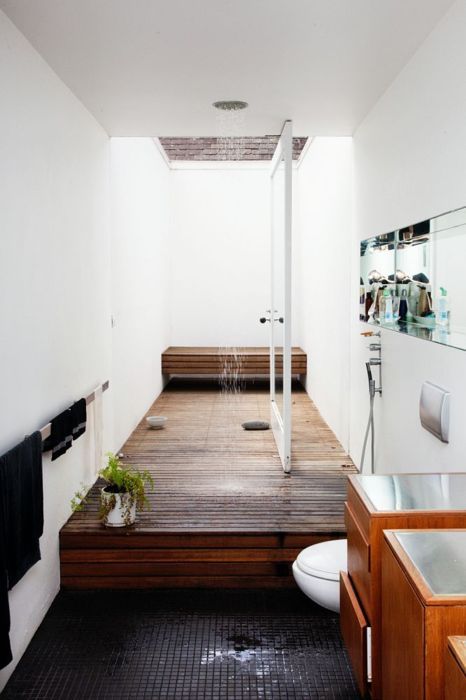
(223, 513)
(216, 360)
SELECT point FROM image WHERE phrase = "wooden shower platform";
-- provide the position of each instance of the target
(252, 361)
(223, 514)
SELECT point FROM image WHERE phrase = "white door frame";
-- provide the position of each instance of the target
(281, 422)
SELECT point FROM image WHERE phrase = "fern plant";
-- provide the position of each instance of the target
(79, 499)
(124, 479)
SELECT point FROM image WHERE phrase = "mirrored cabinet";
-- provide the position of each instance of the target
(413, 280)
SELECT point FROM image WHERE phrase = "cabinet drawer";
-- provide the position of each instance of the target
(354, 630)
(359, 560)
(359, 510)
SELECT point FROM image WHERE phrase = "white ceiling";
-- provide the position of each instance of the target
(153, 67)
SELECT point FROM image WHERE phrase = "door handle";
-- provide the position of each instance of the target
(263, 319)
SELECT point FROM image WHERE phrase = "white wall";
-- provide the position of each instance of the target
(57, 296)
(140, 273)
(54, 288)
(220, 256)
(321, 255)
(409, 165)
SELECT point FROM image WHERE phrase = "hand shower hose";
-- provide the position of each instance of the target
(370, 422)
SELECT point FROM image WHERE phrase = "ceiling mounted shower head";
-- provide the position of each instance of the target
(230, 105)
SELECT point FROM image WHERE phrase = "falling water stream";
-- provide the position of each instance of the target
(230, 127)
(231, 384)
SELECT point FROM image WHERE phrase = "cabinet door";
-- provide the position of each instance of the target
(403, 623)
(358, 560)
(354, 631)
(441, 621)
(455, 678)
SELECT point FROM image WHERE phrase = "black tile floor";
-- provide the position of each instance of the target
(185, 645)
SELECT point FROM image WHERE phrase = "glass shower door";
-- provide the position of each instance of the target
(280, 301)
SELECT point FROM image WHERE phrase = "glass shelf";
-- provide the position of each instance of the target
(455, 338)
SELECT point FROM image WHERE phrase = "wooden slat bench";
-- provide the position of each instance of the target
(253, 361)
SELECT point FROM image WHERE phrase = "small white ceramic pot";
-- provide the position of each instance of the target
(122, 511)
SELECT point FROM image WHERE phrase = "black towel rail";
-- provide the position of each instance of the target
(45, 431)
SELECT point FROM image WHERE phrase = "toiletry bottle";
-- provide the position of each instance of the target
(380, 305)
(423, 303)
(370, 306)
(395, 304)
(388, 306)
(413, 300)
(403, 305)
(362, 302)
(443, 316)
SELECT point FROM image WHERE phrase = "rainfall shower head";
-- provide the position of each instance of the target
(230, 105)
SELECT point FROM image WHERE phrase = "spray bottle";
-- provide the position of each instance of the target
(388, 306)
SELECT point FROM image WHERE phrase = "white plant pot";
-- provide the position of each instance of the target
(123, 513)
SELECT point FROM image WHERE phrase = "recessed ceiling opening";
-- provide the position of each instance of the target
(226, 148)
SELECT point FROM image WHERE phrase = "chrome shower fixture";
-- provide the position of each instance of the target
(373, 390)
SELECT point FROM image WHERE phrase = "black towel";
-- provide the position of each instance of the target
(5, 649)
(21, 506)
(78, 418)
(61, 435)
(21, 524)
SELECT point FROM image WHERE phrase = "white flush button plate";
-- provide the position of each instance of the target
(434, 410)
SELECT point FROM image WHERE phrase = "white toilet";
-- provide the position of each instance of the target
(316, 570)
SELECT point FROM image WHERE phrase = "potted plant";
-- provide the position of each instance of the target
(125, 491)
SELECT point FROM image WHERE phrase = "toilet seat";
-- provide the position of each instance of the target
(324, 560)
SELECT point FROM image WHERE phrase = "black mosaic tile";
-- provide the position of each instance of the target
(185, 645)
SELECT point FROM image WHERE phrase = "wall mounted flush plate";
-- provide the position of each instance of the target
(434, 410)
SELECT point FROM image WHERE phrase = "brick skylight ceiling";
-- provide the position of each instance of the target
(229, 148)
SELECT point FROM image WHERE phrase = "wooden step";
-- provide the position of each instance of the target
(237, 560)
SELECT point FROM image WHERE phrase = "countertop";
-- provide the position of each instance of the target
(411, 492)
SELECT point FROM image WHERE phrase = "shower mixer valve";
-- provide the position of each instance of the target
(263, 319)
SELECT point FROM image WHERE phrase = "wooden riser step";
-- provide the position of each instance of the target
(169, 561)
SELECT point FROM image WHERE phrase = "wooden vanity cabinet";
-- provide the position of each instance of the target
(455, 669)
(377, 503)
(422, 576)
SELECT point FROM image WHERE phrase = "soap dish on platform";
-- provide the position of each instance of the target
(156, 422)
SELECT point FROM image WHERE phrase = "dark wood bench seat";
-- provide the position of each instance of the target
(252, 361)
